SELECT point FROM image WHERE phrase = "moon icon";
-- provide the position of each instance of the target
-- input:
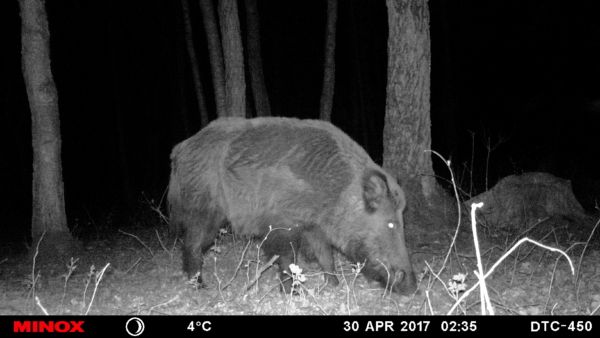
(134, 323)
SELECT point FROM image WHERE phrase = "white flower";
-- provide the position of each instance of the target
(295, 269)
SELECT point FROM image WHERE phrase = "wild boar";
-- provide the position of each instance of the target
(305, 176)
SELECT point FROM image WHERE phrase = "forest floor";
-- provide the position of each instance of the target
(137, 270)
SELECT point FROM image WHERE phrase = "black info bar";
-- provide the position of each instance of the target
(307, 326)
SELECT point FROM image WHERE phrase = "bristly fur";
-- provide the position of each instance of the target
(305, 176)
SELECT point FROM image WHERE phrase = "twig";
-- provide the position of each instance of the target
(165, 303)
(157, 208)
(596, 309)
(514, 269)
(540, 221)
(133, 265)
(97, 282)
(387, 282)
(262, 269)
(264, 296)
(347, 287)
(39, 303)
(34, 277)
(257, 274)
(71, 266)
(238, 266)
(174, 244)
(553, 273)
(447, 162)
(487, 274)
(445, 287)
(490, 149)
(486, 305)
(390, 299)
(357, 269)
(315, 299)
(139, 240)
(87, 284)
(162, 245)
(472, 161)
(581, 259)
(218, 279)
(551, 232)
(429, 301)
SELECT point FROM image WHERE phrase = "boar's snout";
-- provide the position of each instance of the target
(405, 282)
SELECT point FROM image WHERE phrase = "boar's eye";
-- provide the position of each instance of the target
(391, 225)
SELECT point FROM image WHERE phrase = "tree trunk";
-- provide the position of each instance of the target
(329, 63)
(189, 42)
(48, 202)
(215, 54)
(257, 78)
(407, 130)
(449, 83)
(235, 83)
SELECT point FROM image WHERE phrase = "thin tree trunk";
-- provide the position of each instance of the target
(125, 177)
(358, 88)
(126, 187)
(257, 78)
(215, 54)
(329, 63)
(179, 83)
(189, 43)
(48, 202)
(177, 70)
(235, 83)
(407, 130)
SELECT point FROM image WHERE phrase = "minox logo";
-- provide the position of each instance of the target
(40, 326)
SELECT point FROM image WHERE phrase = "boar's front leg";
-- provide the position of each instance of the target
(196, 241)
(322, 252)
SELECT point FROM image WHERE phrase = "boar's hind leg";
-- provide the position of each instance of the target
(323, 252)
(280, 242)
(198, 238)
(285, 277)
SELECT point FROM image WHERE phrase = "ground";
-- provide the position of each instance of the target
(137, 270)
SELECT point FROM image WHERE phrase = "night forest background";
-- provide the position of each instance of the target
(515, 80)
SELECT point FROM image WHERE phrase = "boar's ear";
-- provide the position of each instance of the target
(375, 190)
(398, 194)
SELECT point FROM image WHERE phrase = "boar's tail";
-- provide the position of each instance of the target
(174, 197)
